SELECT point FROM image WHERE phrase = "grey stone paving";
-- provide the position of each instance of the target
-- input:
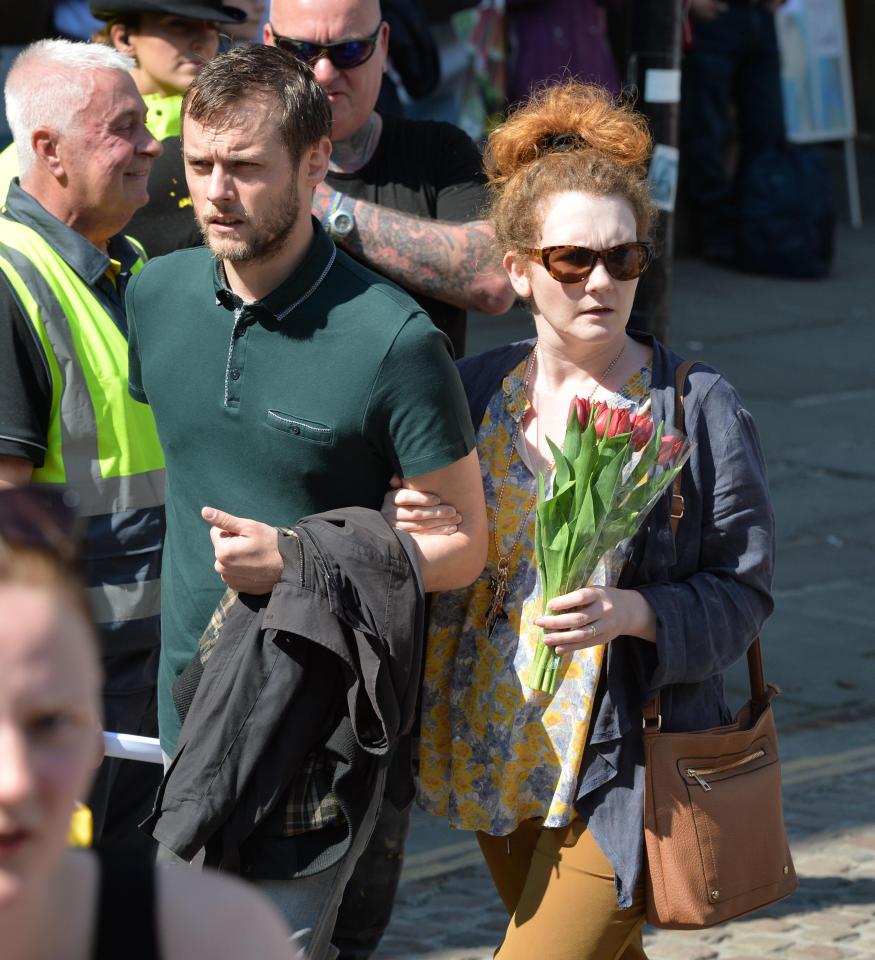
(802, 356)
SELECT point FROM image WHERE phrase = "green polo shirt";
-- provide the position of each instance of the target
(302, 402)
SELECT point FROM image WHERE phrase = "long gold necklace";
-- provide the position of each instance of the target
(498, 580)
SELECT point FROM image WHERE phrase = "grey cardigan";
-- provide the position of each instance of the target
(710, 590)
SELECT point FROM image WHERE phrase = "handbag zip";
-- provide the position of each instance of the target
(700, 774)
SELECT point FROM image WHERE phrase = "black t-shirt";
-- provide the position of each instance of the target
(126, 921)
(431, 170)
(25, 386)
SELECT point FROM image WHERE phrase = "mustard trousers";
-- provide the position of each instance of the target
(558, 888)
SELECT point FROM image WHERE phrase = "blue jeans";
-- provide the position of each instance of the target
(310, 904)
(734, 61)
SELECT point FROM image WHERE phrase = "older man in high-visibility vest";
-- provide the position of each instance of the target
(66, 418)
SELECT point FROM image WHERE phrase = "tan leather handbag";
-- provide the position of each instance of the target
(713, 823)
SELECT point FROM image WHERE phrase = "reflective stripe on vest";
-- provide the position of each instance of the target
(117, 602)
(102, 443)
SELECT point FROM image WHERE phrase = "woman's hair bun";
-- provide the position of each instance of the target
(561, 142)
(564, 117)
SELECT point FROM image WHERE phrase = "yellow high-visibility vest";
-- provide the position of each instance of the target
(112, 439)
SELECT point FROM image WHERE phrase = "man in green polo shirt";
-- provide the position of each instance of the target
(285, 378)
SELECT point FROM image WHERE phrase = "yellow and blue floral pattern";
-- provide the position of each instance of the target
(494, 752)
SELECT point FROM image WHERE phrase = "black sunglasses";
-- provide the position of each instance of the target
(571, 264)
(43, 518)
(345, 54)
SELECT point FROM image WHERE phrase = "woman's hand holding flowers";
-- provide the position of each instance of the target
(594, 615)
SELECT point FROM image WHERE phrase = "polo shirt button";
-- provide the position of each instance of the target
(295, 428)
(235, 374)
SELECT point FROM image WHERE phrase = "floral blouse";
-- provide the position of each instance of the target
(494, 752)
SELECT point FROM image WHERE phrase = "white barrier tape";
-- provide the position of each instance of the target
(127, 746)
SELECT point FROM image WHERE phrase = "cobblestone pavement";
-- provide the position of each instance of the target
(447, 908)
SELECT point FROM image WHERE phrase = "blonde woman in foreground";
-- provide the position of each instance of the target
(63, 904)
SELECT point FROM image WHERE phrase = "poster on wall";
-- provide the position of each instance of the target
(815, 71)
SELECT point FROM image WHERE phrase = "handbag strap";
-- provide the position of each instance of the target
(760, 693)
(677, 499)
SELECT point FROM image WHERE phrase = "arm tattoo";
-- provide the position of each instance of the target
(431, 257)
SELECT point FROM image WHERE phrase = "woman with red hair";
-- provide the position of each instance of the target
(554, 783)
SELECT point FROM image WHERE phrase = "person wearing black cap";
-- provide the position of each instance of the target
(170, 40)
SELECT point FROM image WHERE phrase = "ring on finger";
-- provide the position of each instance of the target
(592, 630)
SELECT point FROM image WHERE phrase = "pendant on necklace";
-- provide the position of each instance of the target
(498, 586)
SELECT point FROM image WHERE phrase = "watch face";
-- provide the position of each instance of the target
(342, 223)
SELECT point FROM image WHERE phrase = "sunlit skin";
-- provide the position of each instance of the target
(252, 202)
(579, 318)
(49, 732)
(99, 171)
(169, 50)
(352, 93)
(50, 746)
(581, 329)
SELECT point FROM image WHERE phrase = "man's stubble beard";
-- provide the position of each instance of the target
(268, 235)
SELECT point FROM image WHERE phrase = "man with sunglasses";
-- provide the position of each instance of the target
(405, 198)
(66, 420)
(402, 196)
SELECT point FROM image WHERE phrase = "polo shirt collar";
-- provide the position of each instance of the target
(88, 262)
(305, 277)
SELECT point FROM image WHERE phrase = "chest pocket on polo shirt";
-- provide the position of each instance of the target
(297, 427)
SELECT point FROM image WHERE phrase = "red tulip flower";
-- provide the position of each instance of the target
(602, 418)
(669, 449)
(612, 421)
(607, 479)
(642, 431)
(620, 423)
(583, 409)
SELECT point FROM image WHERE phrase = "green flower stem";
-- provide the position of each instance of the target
(545, 667)
(539, 665)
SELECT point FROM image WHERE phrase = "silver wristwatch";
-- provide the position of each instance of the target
(341, 222)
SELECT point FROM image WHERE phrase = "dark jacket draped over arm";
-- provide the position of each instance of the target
(329, 661)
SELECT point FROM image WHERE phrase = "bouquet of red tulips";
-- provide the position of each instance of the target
(613, 466)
